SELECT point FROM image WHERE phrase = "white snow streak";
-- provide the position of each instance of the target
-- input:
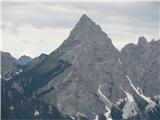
(8, 78)
(105, 99)
(96, 117)
(150, 102)
(107, 102)
(80, 114)
(71, 117)
(36, 113)
(129, 96)
(107, 114)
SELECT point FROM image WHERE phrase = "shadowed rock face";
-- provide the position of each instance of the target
(16, 106)
(35, 62)
(9, 65)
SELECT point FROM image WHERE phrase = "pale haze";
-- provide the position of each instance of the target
(40, 27)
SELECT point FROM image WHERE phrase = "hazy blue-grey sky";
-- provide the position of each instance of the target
(40, 27)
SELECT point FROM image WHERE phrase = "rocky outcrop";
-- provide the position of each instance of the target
(94, 61)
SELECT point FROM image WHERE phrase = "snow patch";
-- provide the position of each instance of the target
(96, 118)
(80, 114)
(11, 108)
(120, 101)
(36, 113)
(72, 117)
(108, 113)
(150, 102)
(104, 98)
(107, 102)
(129, 96)
(17, 73)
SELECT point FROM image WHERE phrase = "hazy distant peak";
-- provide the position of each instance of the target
(24, 56)
(24, 59)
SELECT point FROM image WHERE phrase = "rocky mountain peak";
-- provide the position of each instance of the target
(86, 34)
(86, 38)
(84, 25)
(85, 20)
(9, 64)
(142, 41)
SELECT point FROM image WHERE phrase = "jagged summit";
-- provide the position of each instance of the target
(85, 24)
(142, 41)
(85, 33)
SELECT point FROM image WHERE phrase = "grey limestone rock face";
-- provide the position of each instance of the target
(142, 63)
(94, 61)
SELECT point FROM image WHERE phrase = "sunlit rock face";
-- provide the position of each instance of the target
(129, 110)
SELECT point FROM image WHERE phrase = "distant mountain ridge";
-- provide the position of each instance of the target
(25, 59)
(86, 76)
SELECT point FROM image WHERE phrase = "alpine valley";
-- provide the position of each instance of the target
(85, 78)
